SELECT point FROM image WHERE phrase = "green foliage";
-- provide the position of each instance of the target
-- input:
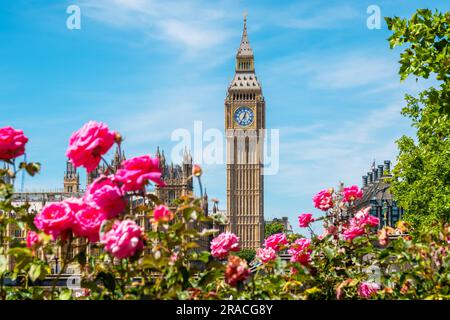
(247, 254)
(421, 178)
(273, 228)
(172, 266)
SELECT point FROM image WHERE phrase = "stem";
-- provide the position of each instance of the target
(64, 264)
(311, 231)
(107, 165)
(119, 146)
(200, 186)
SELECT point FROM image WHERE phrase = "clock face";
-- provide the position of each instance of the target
(244, 116)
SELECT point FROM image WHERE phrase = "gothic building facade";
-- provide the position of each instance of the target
(245, 112)
(178, 178)
(376, 195)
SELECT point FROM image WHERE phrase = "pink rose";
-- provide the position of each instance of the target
(323, 200)
(368, 289)
(54, 218)
(124, 239)
(276, 241)
(89, 144)
(300, 251)
(305, 219)
(266, 254)
(224, 243)
(136, 172)
(105, 195)
(363, 218)
(162, 214)
(33, 239)
(12, 143)
(87, 223)
(352, 232)
(351, 194)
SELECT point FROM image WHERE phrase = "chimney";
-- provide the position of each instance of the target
(380, 171)
(364, 181)
(387, 166)
(375, 174)
(370, 175)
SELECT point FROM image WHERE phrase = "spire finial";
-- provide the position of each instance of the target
(244, 48)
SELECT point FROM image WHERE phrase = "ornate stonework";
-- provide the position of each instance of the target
(244, 121)
(178, 178)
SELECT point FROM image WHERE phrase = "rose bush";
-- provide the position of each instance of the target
(349, 260)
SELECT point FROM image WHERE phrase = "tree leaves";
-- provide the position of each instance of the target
(421, 178)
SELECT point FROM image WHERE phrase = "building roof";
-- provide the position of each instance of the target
(245, 81)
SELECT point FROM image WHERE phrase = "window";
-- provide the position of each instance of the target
(171, 196)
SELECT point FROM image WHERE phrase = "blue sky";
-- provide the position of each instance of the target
(149, 67)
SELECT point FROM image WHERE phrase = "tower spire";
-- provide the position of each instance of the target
(244, 48)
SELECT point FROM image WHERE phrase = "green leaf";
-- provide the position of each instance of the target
(329, 253)
(66, 294)
(22, 257)
(35, 271)
(3, 264)
(32, 168)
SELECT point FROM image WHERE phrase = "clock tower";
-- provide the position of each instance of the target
(245, 111)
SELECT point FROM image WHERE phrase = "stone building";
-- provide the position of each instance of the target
(178, 181)
(245, 112)
(376, 194)
(287, 227)
(178, 178)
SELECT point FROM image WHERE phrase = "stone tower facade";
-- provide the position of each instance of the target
(118, 158)
(245, 111)
(178, 178)
(71, 179)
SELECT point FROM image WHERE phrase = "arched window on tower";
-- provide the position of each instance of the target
(171, 196)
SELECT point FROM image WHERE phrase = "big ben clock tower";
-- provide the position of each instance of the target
(245, 111)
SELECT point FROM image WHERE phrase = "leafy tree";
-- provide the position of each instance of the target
(273, 227)
(421, 178)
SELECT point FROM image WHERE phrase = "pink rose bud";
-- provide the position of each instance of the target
(196, 170)
(33, 239)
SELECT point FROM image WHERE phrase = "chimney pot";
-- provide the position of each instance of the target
(364, 181)
(387, 166)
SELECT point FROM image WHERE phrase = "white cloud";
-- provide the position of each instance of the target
(192, 25)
